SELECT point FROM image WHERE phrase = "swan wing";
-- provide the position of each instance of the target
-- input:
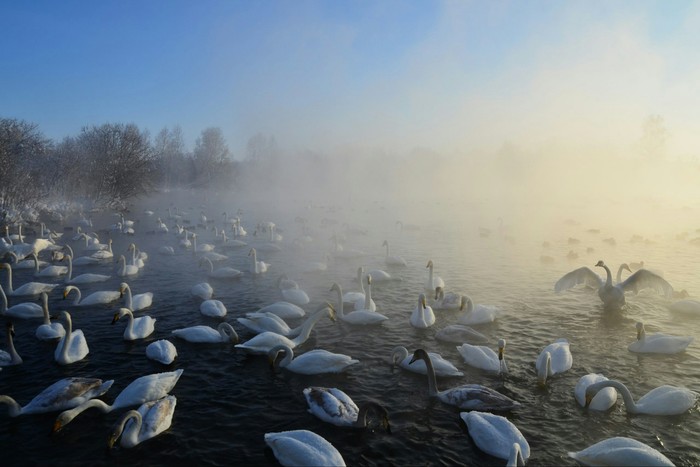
(198, 334)
(477, 397)
(331, 405)
(645, 279)
(147, 388)
(320, 361)
(667, 400)
(479, 356)
(157, 416)
(603, 400)
(303, 448)
(66, 394)
(583, 275)
(162, 351)
(495, 434)
(620, 451)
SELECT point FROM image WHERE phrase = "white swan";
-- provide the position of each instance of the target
(433, 280)
(48, 271)
(613, 296)
(162, 351)
(82, 260)
(263, 342)
(284, 310)
(61, 395)
(205, 334)
(202, 290)
(496, 436)
(468, 396)
(135, 302)
(662, 400)
(602, 401)
(555, 358)
(392, 260)
(334, 406)
(124, 269)
(658, 343)
(446, 301)
(138, 258)
(422, 316)
(295, 295)
(48, 330)
(484, 358)
(25, 310)
(359, 317)
(220, 273)
(10, 357)
(476, 314)
(30, 288)
(25, 263)
(73, 346)
(458, 334)
(202, 248)
(166, 250)
(620, 451)
(103, 254)
(101, 297)
(137, 328)
(303, 448)
(688, 307)
(366, 303)
(212, 308)
(256, 267)
(261, 322)
(354, 297)
(88, 278)
(143, 389)
(441, 366)
(136, 426)
(314, 362)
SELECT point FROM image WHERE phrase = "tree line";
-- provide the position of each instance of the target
(111, 163)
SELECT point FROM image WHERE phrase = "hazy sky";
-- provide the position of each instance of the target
(452, 76)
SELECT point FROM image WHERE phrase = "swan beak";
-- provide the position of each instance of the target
(501, 351)
(57, 425)
(588, 400)
(111, 441)
(116, 318)
(639, 335)
(385, 423)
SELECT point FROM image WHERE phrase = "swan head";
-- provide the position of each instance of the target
(369, 279)
(330, 308)
(640, 330)
(385, 243)
(419, 354)
(398, 354)
(600, 264)
(250, 253)
(625, 266)
(122, 288)
(119, 314)
(501, 348)
(274, 352)
(421, 300)
(430, 264)
(438, 291)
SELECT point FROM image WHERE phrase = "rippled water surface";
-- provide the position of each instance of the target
(228, 400)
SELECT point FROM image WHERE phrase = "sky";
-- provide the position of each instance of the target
(452, 76)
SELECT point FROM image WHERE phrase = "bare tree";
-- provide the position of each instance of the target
(212, 161)
(173, 162)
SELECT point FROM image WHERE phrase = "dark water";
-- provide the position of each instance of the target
(228, 400)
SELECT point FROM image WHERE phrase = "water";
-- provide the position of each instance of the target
(228, 400)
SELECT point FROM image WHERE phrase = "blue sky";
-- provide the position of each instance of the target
(453, 75)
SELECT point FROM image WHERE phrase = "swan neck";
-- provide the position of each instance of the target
(308, 326)
(618, 278)
(432, 381)
(4, 300)
(129, 298)
(68, 338)
(16, 359)
(14, 408)
(387, 248)
(339, 308)
(45, 309)
(130, 436)
(228, 333)
(288, 357)
(608, 280)
(630, 404)
(368, 296)
(78, 295)
(9, 279)
(70, 269)
(516, 456)
(545, 369)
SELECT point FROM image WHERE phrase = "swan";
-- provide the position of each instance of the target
(124, 269)
(422, 316)
(203, 248)
(73, 346)
(284, 310)
(11, 357)
(662, 400)
(360, 317)
(392, 260)
(303, 448)
(484, 358)
(555, 358)
(83, 278)
(213, 308)
(446, 301)
(136, 426)
(30, 288)
(202, 290)
(613, 296)
(220, 273)
(314, 362)
(143, 389)
(48, 330)
(82, 260)
(162, 351)
(138, 258)
(205, 334)
(366, 303)
(468, 396)
(497, 436)
(441, 366)
(101, 297)
(658, 343)
(48, 271)
(104, 254)
(61, 395)
(138, 328)
(689, 307)
(256, 267)
(433, 280)
(602, 401)
(261, 322)
(458, 333)
(92, 243)
(479, 314)
(32, 263)
(354, 297)
(334, 406)
(166, 250)
(291, 292)
(25, 310)
(135, 302)
(263, 342)
(620, 451)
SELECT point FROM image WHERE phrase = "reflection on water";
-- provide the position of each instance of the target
(227, 400)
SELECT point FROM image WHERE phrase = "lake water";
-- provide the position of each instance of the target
(228, 400)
